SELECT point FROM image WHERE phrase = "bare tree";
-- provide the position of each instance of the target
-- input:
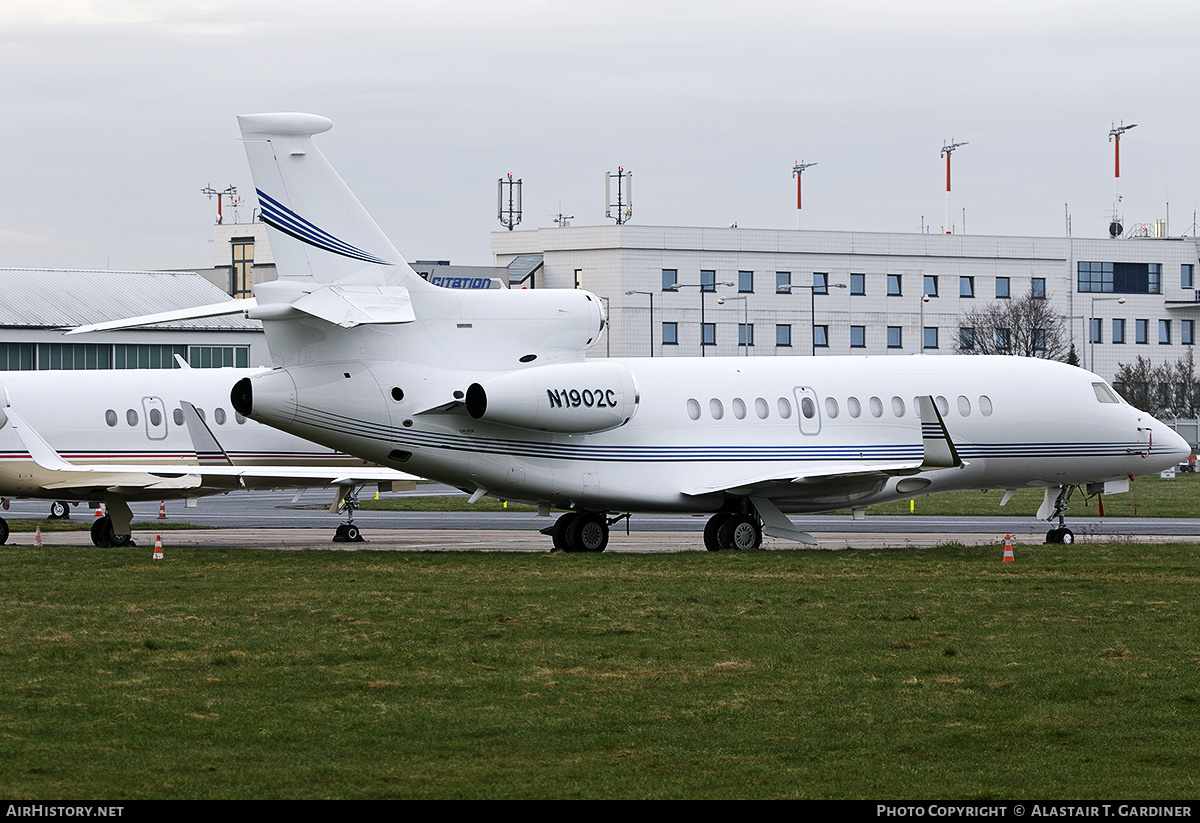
(1027, 327)
(1168, 390)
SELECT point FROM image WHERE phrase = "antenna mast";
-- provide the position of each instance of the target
(947, 150)
(1114, 137)
(797, 172)
(624, 204)
(231, 193)
(509, 216)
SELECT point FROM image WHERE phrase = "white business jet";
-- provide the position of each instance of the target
(150, 434)
(491, 392)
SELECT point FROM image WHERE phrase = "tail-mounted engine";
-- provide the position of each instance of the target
(571, 397)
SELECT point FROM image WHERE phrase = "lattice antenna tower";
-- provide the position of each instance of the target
(622, 209)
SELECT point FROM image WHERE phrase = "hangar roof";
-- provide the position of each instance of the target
(62, 298)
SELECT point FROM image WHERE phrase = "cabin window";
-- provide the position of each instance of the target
(808, 408)
(985, 405)
(110, 417)
(693, 409)
(854, 407)
(240, 420)
(739, 408)
(177, 416)
(943, 405)
(762, 408)
(898, 406)
(964, 406)
(876, 407)
(131, 417)
(785, 408)
(219, 416)
(155, 418)
(831, 407)
(716, 409)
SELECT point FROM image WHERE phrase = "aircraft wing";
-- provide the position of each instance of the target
(146, 476)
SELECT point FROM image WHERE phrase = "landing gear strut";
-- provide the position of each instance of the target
(104, 537)
(580, 532)
(733, 530)
(1061, 534)
(348, 532)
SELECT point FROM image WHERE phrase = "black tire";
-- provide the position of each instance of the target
(3, 531)
(588, 533)
(1066, 537)
(740, 532)
(711, 529)
(561, 527)
(102, 533)
(59, 510)
(353, 535)
(1053, 536)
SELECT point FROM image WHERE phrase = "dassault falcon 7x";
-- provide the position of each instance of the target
(491, 392)
(114, 436)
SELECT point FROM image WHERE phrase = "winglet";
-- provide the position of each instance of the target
(208, 449)
(42, 452)
(939, 449)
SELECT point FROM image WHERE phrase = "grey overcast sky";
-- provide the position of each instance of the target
(117, 113)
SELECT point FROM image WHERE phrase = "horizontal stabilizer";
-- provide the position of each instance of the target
(349, 306)
(225, 307)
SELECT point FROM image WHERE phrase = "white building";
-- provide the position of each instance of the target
(824, 293)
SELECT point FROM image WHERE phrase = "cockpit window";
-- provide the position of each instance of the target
(1104, 394)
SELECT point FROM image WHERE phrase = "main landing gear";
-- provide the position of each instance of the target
(580, 532)
(732, 530)
(1061, 534)
(104, 537)
(348, 532)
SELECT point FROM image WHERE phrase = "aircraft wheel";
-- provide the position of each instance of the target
(3, 531)
(740, 532)
(1066, 536)
(588, 533)
(102, 533)
(711, 528)
(59, 510)
(121, 540)
(353, 535)
(561, 526)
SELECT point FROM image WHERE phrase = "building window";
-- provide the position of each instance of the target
(1118, 330)
(240, 273)
(1002, 339)
(1187, 273)
(745, 334)
(670, 334)
(1120, 278)
(1141, 331)
(783, 335)
(708, 334)
(579, 278)
(1037, 288)
(858, 337)
(708, 280)
(966, 338)
(142, 356)
(893, 285)
(1164, 332)
(1002, 289)
(216, 357)
(894, 337)
(966, 287)
(75, 356)
(1039, 339)
(783, 281)
(930, 337)
(820, 337)
(1187, 332)
(669, 278)
(930, 285)
(858, 284)
(745, 282)
(820, 284)
(1095, 333)
(16, 356)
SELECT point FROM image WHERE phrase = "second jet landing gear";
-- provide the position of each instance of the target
(104, 537)
(348, 532)
(1061, 534)
(732, 530)
(580, 532)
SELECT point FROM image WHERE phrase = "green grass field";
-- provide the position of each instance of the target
(939, 673)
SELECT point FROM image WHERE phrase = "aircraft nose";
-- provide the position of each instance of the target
(1173, 444)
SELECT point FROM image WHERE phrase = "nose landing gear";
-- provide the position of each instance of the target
(1061, 534)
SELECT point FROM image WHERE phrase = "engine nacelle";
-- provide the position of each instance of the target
(570, 397)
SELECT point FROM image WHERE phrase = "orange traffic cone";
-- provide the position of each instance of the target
(158, 547)
(99, 511)
(37, 535)
(162, 510)
(1008, 552)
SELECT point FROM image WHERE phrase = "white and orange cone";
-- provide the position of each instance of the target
(158, 554)
(1008, 552)
(37, 536)
(162, 510)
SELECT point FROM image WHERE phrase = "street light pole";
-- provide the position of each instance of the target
(650, 295)
(1092, 337)
(745, 317)
(812, 306)
(714, 284)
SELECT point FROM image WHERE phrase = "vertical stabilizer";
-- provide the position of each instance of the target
(320, 230)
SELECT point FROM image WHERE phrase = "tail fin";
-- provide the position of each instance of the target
(321, 231)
